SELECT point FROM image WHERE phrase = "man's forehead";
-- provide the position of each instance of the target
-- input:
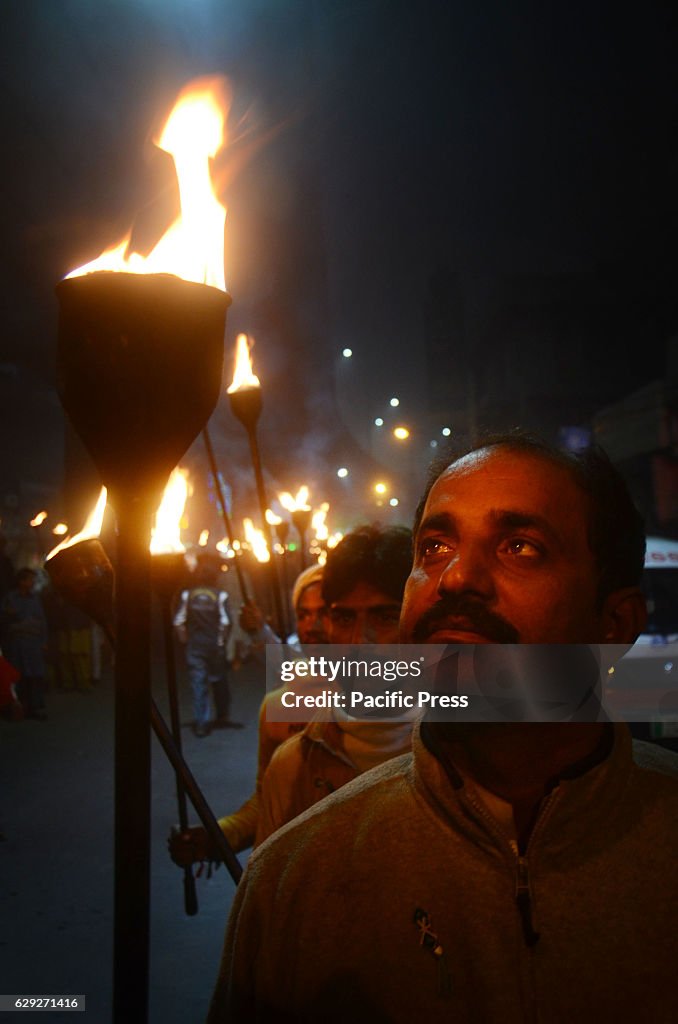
(507, 479)
(311, 596)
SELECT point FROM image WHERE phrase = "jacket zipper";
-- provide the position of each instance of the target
(524, 902)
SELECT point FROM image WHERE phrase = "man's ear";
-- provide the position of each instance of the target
(624, 616)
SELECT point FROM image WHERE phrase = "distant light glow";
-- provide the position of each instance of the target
(401, 433)
(39, 519)
(446, 431)
(433, 444)
(342, 472)
(380, 488)
(395, 402)
(378, 422)
(393, 502)
(347, 353)
(60, 529)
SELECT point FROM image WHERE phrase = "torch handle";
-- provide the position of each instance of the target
(202, 808)
(224, 513)
(190, 895)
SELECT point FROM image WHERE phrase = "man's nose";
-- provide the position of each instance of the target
(468, 571)
(361, 630)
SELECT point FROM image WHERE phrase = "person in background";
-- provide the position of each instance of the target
(240, 827)
(363, 585)
(25, 633)
(203, 625)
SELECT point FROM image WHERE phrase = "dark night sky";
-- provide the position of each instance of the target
(505, 143)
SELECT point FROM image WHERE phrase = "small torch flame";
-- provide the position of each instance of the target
(244, 376)
(318, 524)
(60, 530)
(165, 536)
(256, 540)
(193, 247)
(203, 538)
(39, 519)
(272, 519)
(297, 504)
(90, 530)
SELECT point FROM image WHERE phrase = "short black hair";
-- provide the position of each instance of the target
(616, 529)
(378, 555)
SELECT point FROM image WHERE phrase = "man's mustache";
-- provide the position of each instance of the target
(474, 612)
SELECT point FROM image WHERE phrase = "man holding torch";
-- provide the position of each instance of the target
(514, 871)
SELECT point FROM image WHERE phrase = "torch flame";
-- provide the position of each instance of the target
(295, 504)
(272, 519)
(60, 529)
(165, 536)
(90, 530)
(318, 522)
(39, 519)
(256, 540)
(203, 538)
(193, 247)
(243, 374)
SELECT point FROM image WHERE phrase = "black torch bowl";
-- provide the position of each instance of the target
(246, 405)
(83, 575)
(139, 370)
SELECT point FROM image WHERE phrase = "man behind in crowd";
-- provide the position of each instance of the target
(502, 872)
(363, 587)
(193, 845)
(203, 624)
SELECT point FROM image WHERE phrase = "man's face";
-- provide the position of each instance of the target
(365, 615)
(311, 613)
(502, 556)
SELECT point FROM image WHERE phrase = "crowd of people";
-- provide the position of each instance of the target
(45, 643)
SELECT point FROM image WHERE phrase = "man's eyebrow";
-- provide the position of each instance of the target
(441, 521)
(516, 520)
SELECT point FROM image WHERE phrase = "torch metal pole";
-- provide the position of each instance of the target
(190, 896)
(132, 763)
(224, 513)
(274, 579)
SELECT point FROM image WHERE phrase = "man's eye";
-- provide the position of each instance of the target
(432, 546)
(340, 617)
(522, 548)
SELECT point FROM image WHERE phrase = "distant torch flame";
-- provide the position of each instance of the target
(256, 540)
(165, 535)
(90, 530)
(39, 519)
(272, 519)
(334, 539)
(193, 247)
(318, 524)
(203, 538)
(243, 375)
(295, 504)
(60, 529)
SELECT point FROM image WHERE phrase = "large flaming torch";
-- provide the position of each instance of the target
(245, 397)
(139, 368)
